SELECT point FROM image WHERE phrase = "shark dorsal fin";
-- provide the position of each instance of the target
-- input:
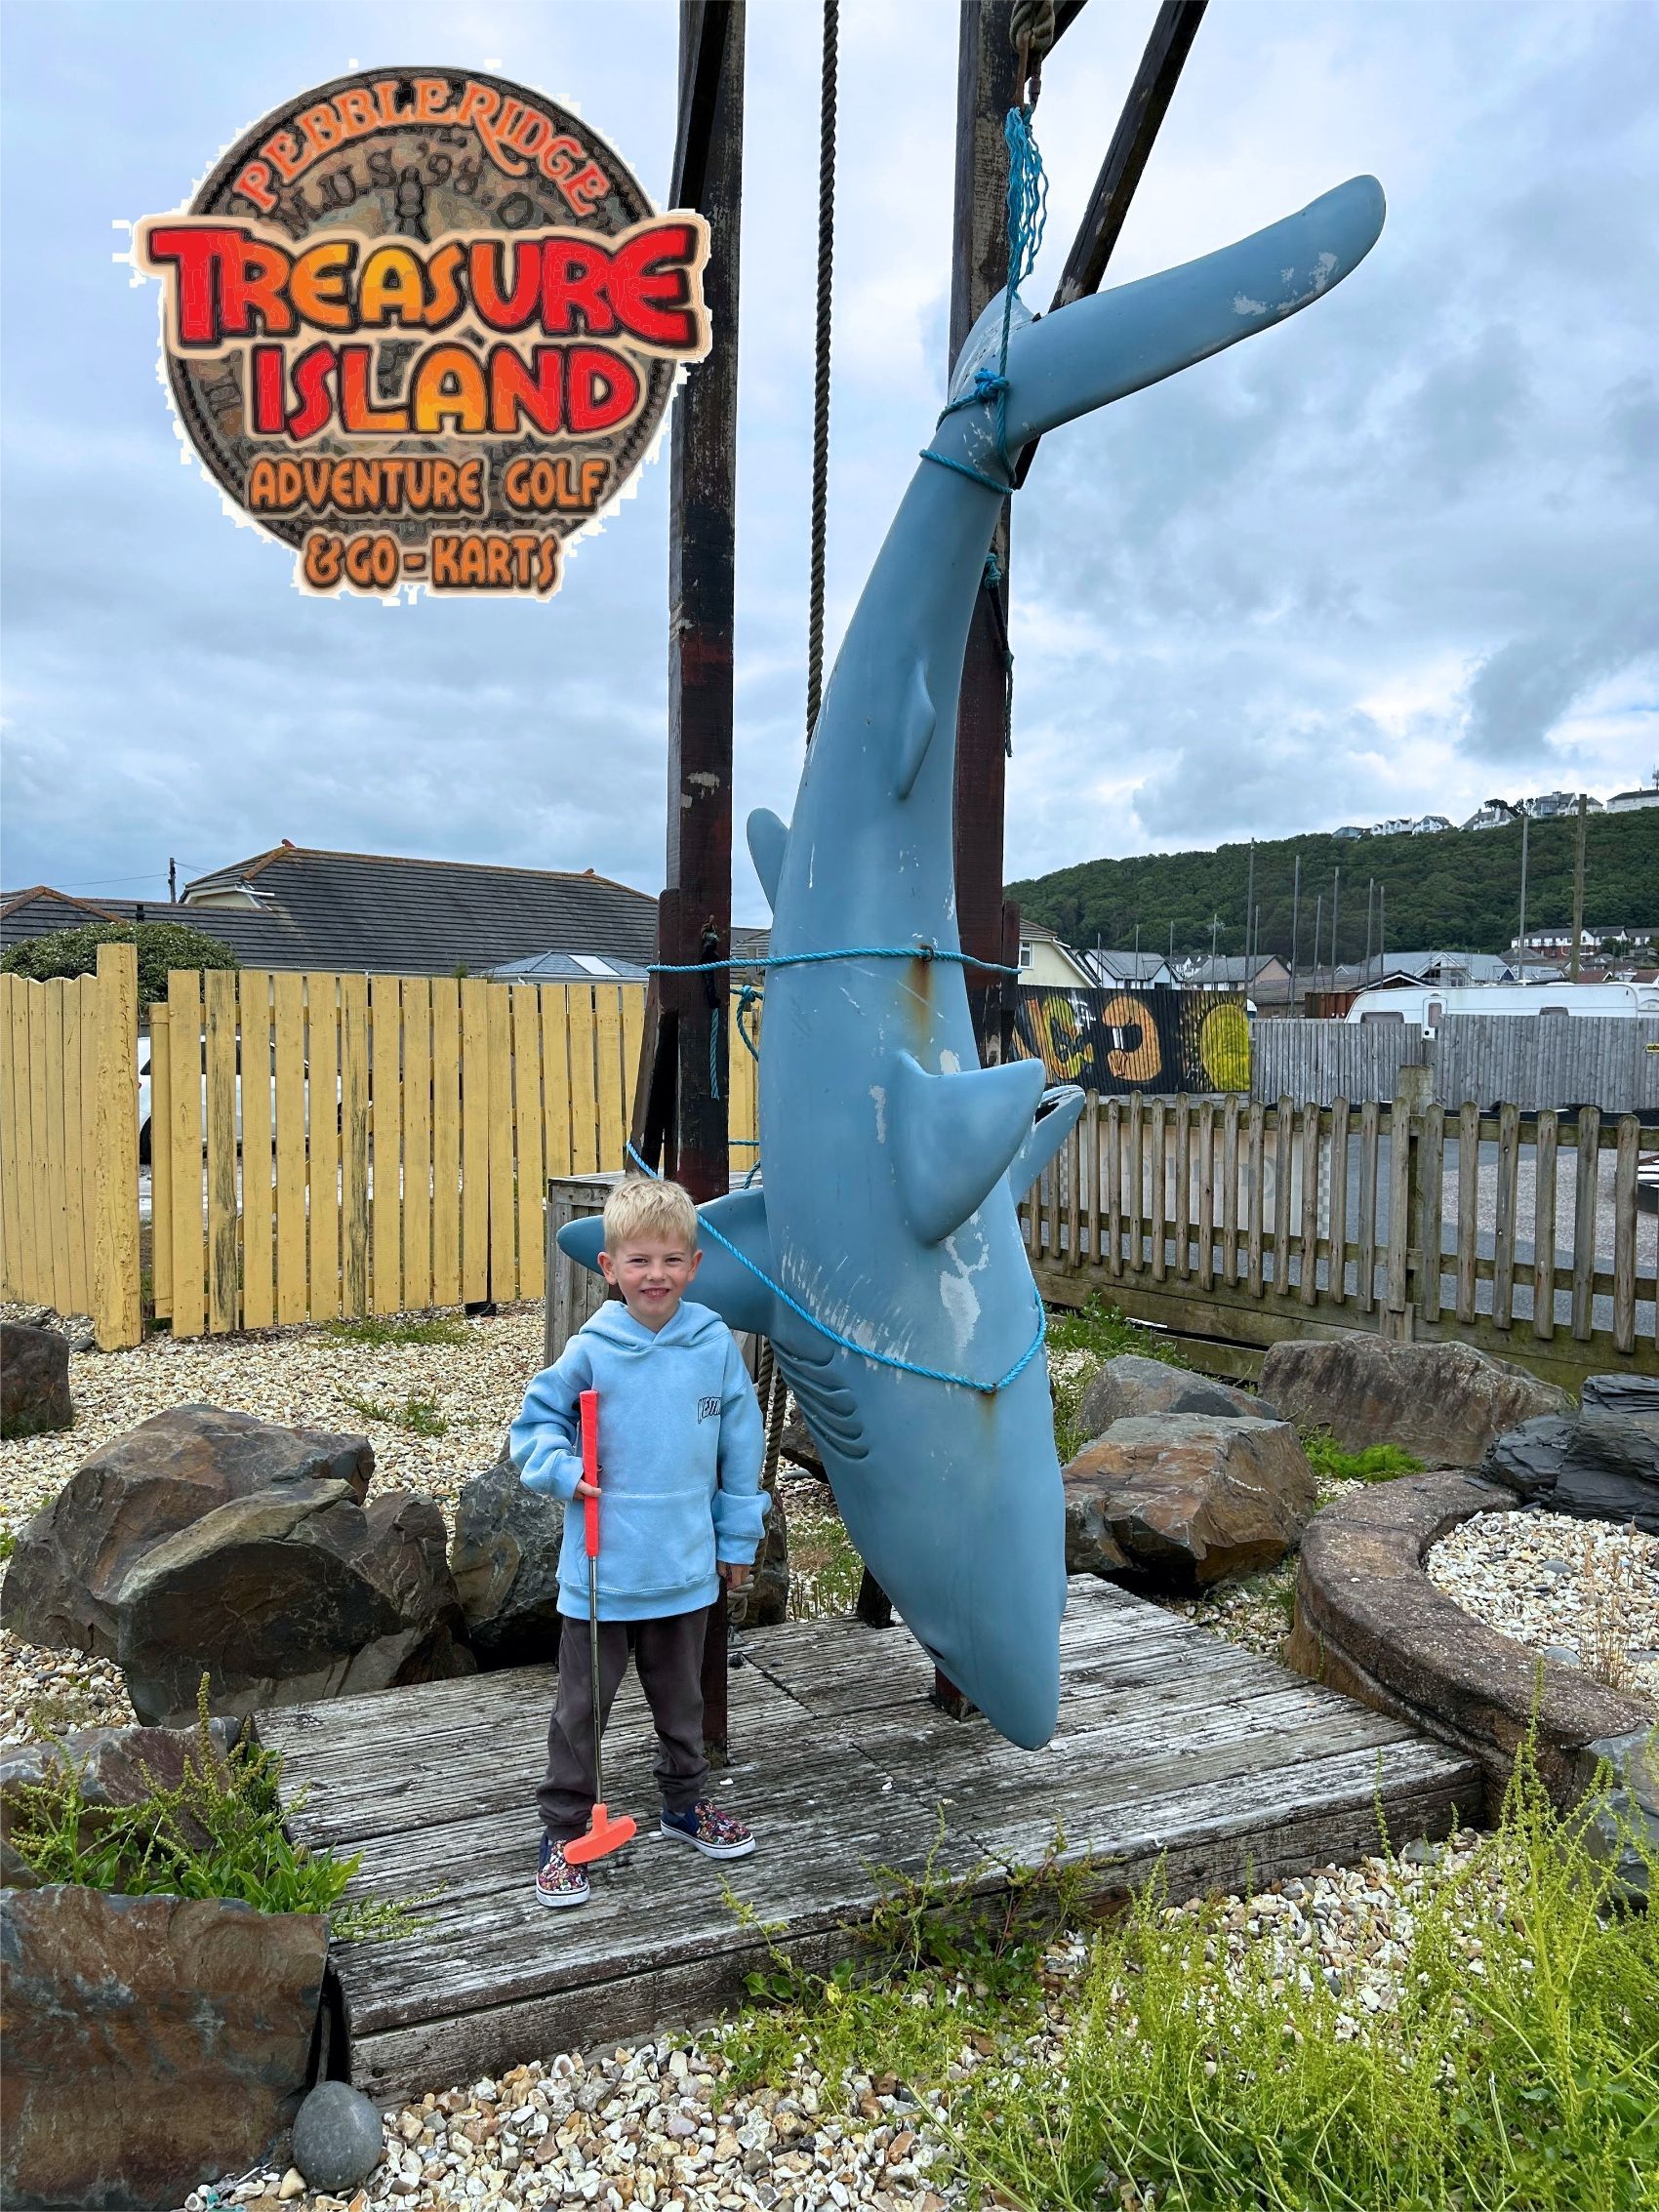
(722, 1283)
(954, 1136)
(917, 722)
(1063, 1106)
(767, 837)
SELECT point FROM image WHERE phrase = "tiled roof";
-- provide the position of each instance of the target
(423, 917)
(258, 938)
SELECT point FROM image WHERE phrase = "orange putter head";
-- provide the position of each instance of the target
(606, 1832)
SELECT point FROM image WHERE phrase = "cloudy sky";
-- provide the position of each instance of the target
(1392, 558)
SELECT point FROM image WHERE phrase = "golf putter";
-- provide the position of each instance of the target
(605, 1832)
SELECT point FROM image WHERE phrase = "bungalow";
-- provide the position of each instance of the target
(1044, 959)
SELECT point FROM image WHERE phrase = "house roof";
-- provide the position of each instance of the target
(1232, 968)
(413, 917)
(258, 938)
(1127, 967)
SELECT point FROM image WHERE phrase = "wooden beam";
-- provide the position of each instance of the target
(986, 87)
(1166, 55)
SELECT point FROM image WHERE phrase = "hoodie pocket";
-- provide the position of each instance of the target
(655, 1541)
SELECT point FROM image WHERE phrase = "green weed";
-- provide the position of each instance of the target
(380, 1330)
(218, 1833)
(420, 1415)
(824, 1570)
(1378, 1463)
(1515, 2070)
(7, 1542)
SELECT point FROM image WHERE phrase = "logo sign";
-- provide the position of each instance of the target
(1113, 1042)
(422, 325)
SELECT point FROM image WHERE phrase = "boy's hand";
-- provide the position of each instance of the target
(733, 1574)
(587, 1490)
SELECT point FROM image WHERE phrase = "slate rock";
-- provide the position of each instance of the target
(1601, 1465)
(34, 1381)
(1631, 1810)
(288, 1595)
(157, 1479)
(1446, 1402)
(1131, 1385)
(338, 2139)
(505, 1563)
(1528, 1460)
(1189, 1498)
(153, 2043)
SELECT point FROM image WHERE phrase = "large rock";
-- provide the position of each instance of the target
(1189, 1499)
(290, 1596)
(1603, 1464)
(1444, 1402)
(505, 1563)
(152, 2042)
(1624, 1830)
(34, 1380)
(763, 1601)
(798, 1444)
(208, 1543)
(156, 1479)
(1132, 1385)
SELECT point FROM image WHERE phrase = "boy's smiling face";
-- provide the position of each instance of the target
(652, 1272)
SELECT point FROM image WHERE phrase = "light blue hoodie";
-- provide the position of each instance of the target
(681, 1450)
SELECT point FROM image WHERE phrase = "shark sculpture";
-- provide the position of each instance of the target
(884, 1256)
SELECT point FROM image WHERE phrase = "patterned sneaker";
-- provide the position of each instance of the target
(712, 1829)
(557, 1881)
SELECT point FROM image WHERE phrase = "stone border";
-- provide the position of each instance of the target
(1370, 1623)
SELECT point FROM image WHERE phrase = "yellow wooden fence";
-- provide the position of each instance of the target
(338, 1145)
(70, 1143)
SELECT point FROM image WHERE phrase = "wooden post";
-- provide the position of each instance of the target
(117, 1315)
(986, 87)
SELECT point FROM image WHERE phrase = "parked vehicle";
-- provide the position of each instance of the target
(1424, 1004)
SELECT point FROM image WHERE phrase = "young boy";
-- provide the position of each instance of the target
(680, 1451)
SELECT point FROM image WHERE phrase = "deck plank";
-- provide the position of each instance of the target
(1175, 1749)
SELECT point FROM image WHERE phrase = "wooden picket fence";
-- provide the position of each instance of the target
(332, 1145)
(70, 1143)
(1233, 1226)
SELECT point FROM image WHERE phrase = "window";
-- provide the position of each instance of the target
(1025, 954)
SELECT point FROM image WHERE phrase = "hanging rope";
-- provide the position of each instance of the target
(1032, 31)
(849, 1343)
(922, 949)
(821, 365)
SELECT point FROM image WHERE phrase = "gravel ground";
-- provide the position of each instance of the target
(656, 2126)
(1582, 1592)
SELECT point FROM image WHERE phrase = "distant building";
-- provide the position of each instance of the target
(1261, 976)
(1399, 825)
(1429, 825)
(1627, 802)
(1496, 814)
(1555, 806)
(1045, 959)
(1349, 829)
(1428, 967)
(1133, 971)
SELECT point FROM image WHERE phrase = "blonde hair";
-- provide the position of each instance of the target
(641, 1206)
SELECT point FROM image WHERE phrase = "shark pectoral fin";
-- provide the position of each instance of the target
(767, 837)
(722, 1282)
(1057, 1116)
(917, 723)
(955, 1136)
(581, 1241)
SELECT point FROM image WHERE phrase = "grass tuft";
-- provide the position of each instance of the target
(824, 1570)
(420, 1415)
(383, 1330)
(1378, 1463)
(218, 1833)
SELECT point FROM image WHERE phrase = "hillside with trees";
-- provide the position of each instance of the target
(1457, 891)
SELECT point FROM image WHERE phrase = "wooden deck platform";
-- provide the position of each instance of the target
(1172, 1742)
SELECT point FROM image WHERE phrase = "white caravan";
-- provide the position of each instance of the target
(1424, 1004)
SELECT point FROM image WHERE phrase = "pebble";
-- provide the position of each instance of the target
(1583, 1593)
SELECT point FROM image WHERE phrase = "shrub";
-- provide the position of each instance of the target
(1377, 1463)
(161, 946)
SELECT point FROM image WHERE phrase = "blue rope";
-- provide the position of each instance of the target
(862, 1351)
(921, 949)
(1027, 219)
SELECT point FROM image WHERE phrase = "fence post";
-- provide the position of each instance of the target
(117, 1316)
(1412, 1091)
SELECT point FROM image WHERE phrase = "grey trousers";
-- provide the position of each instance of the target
(668, 1655)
